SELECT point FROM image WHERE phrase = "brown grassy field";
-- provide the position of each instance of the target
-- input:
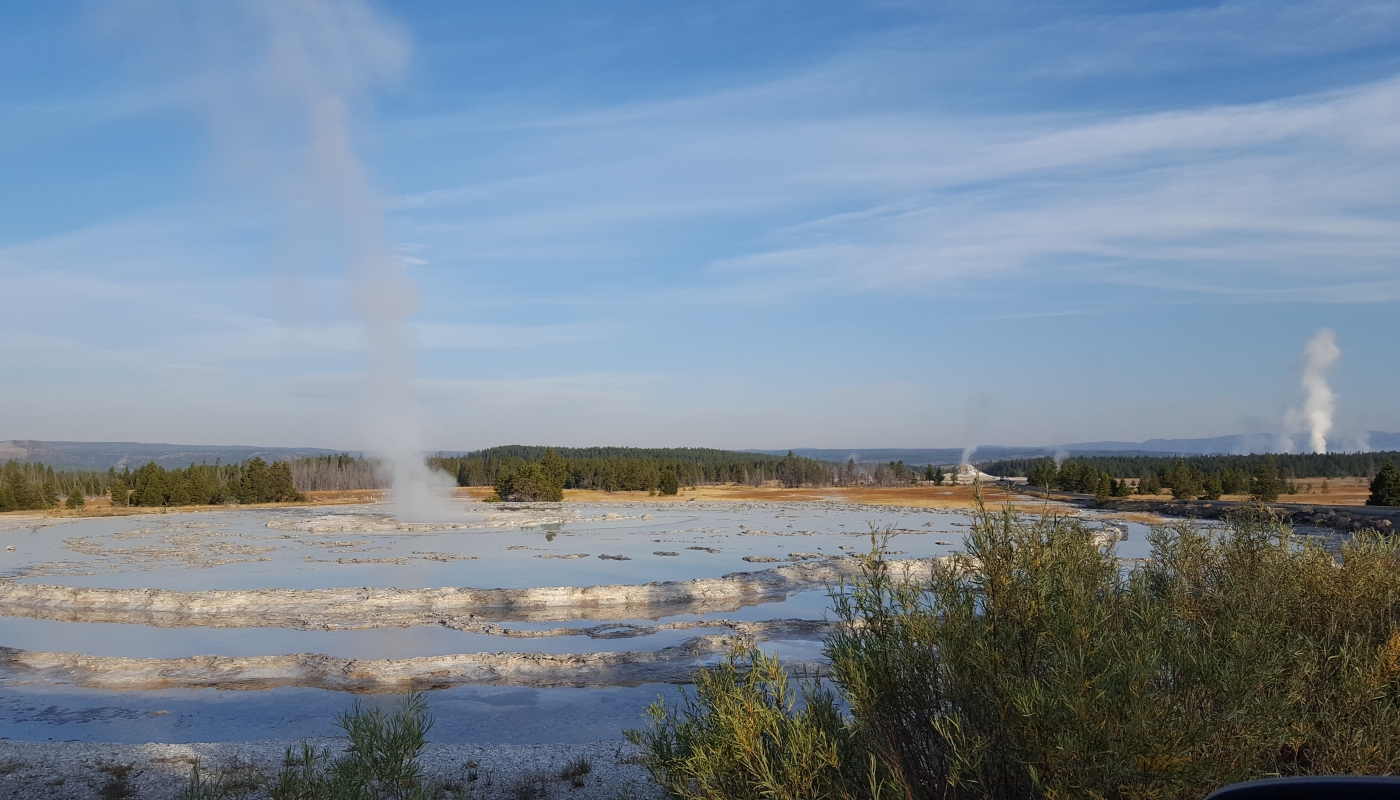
(912, 496)
(1339, 492)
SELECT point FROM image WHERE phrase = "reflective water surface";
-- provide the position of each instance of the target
(353, 546)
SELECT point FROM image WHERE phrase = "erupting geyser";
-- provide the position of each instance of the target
(1320, 404)
(282, 99)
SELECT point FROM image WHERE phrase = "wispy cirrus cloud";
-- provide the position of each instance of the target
(1303, 188)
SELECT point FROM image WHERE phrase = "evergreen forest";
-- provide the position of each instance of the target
(1289, 465)
(25, 487)
(639, 469)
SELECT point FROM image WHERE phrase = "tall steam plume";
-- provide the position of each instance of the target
(280, 80)
(1320, 403)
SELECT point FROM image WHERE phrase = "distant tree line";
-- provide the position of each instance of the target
(341, 472)
(32, 486)
(1184, 480)
(637, 469)
(1289, 465)
(251, 481)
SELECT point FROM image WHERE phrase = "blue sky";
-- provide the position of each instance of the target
(725, 224)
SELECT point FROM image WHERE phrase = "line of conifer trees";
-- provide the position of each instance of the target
(639, 469)
(32, 486)
(1289, 465)
(1186, 481)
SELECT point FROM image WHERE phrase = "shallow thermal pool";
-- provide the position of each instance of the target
(538, 546)
(300, 632)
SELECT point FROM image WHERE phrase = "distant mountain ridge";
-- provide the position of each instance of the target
(910, 455)
(1238, 444)
(101, 455)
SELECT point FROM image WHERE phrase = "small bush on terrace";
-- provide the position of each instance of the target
(380, 763)
(1033, 665)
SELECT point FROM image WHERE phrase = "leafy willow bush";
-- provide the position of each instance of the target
(744, 734)
(380, 763)
(1034, 664)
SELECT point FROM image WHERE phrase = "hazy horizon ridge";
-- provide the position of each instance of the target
(101, 455)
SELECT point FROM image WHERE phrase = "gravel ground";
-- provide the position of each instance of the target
(74, 770)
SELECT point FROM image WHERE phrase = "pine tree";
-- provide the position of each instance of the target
(670, 484)
(48, 487)
(1213, 488)
(1264, 484)
(1105, 488)
(1385, 487)
(281, 489)
(75, 497)
(1185, 482)
(938, 476)
(554, 468)
(256, 485)
(1044, 475)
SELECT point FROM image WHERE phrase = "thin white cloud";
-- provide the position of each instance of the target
(1304, 186)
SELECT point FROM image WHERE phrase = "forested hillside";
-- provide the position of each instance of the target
(641, 469)
(1262, 477)
(1289, 465)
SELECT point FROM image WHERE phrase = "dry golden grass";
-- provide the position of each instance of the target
(910, 496)
(345, 496)
(1340, 492)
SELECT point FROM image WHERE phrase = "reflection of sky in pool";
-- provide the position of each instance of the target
(145, 641)
(466, 714)
(236, 549)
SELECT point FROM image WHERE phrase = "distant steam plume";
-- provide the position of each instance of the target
(1320, 404)
(281, 80)
(979, 408)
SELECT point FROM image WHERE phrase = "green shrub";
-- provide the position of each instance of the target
(380, 762)
(743, 735)
(1034, 664)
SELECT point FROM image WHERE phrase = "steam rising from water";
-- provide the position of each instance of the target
(979, 408)
(1320, 406)
(282, 77)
